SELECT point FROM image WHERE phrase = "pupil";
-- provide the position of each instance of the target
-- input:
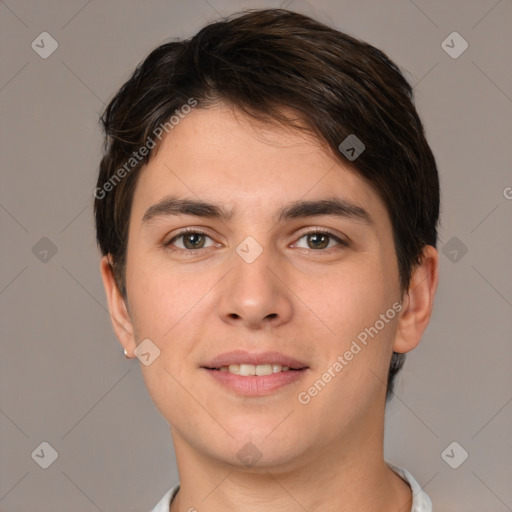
(318, 235)
(190, 238)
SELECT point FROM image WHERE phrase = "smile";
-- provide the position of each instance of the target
(247, 370)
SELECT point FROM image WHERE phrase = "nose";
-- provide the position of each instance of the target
(256, 295)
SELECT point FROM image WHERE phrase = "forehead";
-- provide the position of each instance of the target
(223, 156)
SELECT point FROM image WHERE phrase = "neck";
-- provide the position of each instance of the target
(349, 474)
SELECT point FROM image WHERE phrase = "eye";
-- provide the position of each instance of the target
(192, 240)
(318, 239)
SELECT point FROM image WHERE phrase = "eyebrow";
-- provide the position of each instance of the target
(172, 205)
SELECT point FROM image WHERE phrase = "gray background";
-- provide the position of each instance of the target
(64, 379)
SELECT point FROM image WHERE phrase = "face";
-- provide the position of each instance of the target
(270, 275)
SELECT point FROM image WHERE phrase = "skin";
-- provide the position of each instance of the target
(303, 301)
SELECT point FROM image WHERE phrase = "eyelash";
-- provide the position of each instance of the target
(193, 252)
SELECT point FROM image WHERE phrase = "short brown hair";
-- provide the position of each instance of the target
(266, 62)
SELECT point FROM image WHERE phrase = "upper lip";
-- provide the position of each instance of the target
(243, 357)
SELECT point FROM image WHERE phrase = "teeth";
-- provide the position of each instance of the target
(251, 369)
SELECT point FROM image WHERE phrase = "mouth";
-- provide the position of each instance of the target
(252, 374)
(246, 364)
(247, 370)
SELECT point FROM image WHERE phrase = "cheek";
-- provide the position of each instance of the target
(158, 298)
(348, 300)
(169, 308)
(164, 303)
(350, 303)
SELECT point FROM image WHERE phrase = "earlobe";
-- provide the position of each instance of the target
(119, 315)
(418, 302)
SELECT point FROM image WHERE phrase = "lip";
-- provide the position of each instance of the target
(256, 385)
(244, 357)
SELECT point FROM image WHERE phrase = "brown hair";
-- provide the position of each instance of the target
(267, 62)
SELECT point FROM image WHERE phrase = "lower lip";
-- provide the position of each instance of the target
(256, 385)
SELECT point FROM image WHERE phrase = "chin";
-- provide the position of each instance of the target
(258, 451)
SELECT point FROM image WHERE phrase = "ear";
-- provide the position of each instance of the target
(119, 314)
(418, 302)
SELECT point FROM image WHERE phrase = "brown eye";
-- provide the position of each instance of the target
(193, 240)
(321, 239)
(318, 240)
(190, 240)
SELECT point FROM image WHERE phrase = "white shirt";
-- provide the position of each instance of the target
(420, 500)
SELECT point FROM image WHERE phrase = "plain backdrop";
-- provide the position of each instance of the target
(63, 377)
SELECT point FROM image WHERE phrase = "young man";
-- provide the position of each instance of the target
(266, 209)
